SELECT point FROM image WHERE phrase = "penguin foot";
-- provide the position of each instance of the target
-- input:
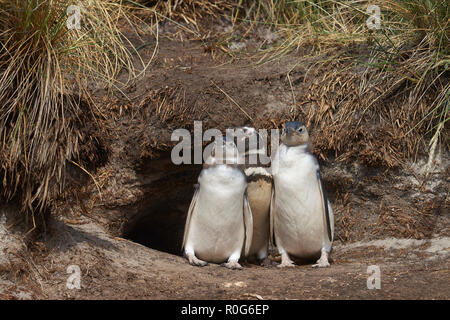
(234, 265)
(323, 260)
(286, 264)
(321, 264)
(193, 260)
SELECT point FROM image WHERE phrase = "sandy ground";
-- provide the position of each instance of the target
(115, 268)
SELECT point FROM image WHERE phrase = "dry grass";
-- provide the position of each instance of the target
(396, 221)
(45, 72)
(380, 96)
(188, 12)
(395, 78)
(375, 126)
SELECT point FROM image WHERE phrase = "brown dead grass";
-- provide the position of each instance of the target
(190, 12)
(401, 223)
(47, 118)
(375, 124)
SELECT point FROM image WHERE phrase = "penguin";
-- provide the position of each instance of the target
(219, 222)
(259, 191)
(302, 220)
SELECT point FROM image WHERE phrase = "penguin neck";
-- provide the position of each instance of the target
(252, 158)
(255, 151)
(258, 173)
(218, 165)
(303, 148)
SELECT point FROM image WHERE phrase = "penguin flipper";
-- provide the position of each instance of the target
(271, 216)
(189, 215)
(248, 224)
(324, 205)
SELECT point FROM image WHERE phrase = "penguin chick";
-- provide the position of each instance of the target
(259, 190)
(219, 222)
(302, 220)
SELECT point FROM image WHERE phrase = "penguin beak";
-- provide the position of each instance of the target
(289, 130)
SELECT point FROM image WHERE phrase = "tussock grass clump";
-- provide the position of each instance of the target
(187, 11)
(407, 61)
(46, 68)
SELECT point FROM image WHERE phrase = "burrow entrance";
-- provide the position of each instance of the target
(160, 218)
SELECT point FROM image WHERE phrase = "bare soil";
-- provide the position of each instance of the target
(389, 217)
(114, 268)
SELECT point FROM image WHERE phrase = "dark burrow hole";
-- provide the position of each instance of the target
(160, 218)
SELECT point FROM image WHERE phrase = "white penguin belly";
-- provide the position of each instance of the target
(298, 213)
(217, 226)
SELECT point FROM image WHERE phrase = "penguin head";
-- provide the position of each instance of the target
(246, 131)
(247, 139)
(224, 151)
(294, 134)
